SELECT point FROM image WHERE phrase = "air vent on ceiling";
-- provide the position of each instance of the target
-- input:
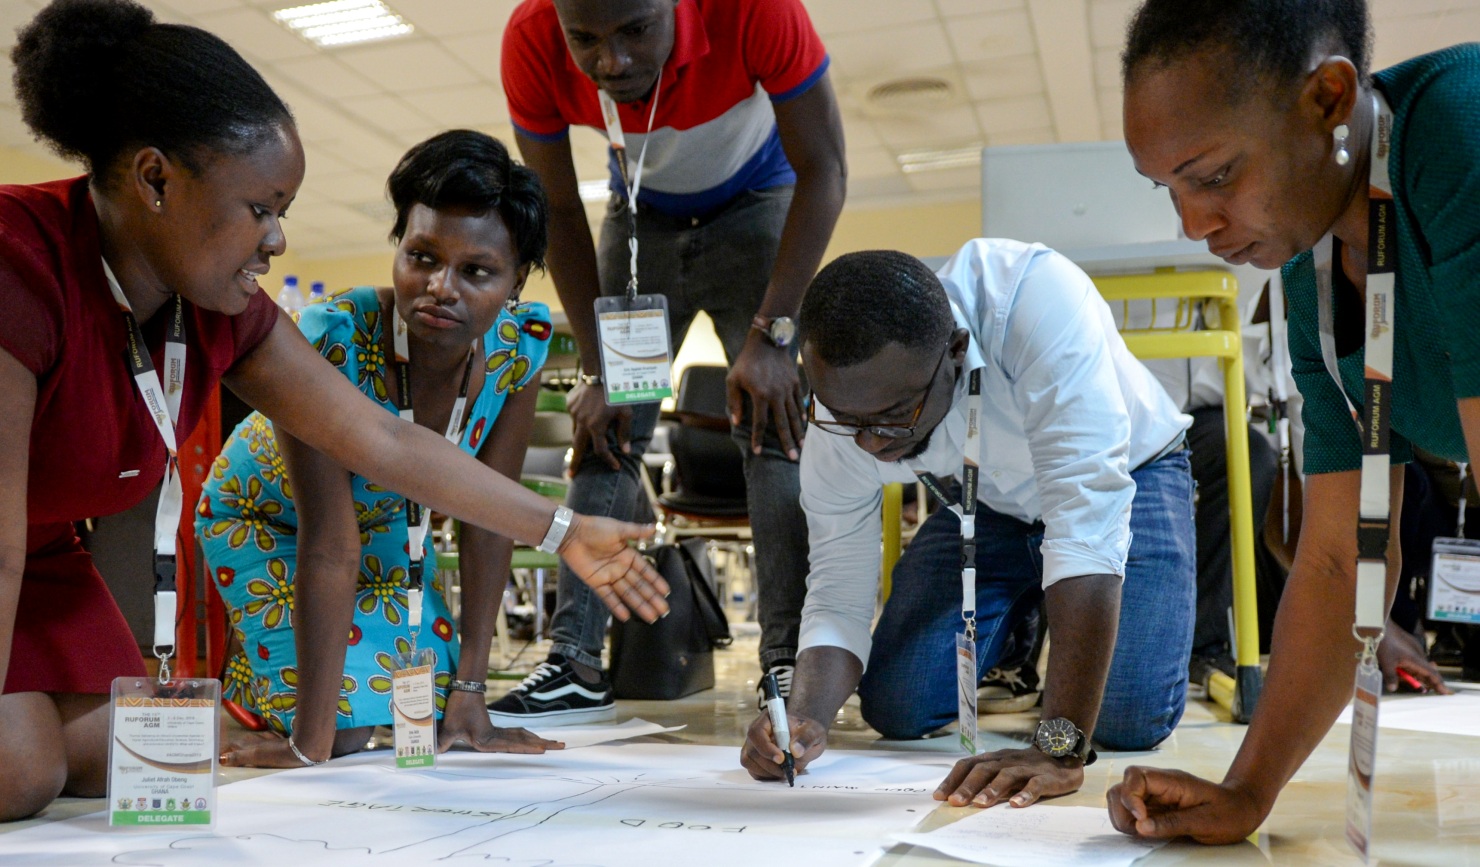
(910, 95)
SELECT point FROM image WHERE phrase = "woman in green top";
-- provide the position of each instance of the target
(1258, 117)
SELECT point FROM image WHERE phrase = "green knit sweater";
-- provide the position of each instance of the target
(1435, 165)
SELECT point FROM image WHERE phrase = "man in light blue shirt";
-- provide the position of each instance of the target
(1084, 503)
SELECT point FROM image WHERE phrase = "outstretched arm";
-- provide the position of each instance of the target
(304, 395)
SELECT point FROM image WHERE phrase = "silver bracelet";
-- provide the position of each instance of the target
(559, 526)
(301, 757)
(468, 686)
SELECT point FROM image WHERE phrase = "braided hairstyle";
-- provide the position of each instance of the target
(97, 79)
(1265, 41)
(463, 168)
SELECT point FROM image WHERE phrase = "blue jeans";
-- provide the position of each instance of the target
(721, 264)
(909, 689)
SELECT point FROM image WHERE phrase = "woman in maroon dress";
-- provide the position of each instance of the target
(192, 162)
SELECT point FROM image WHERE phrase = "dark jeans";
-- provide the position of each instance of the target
(909, 688)
(719, 264)
(1210, 638)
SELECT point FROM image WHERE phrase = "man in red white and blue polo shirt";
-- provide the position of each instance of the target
(742, 183)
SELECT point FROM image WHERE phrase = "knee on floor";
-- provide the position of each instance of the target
(32, 779)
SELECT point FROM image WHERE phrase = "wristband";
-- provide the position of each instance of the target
(590, 379)
(559, 526)
(468, 686)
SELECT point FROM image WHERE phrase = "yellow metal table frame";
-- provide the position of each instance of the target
(1188, 290)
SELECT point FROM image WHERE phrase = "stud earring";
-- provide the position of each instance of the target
(511, 305)
(1342, 155)
(159, 203)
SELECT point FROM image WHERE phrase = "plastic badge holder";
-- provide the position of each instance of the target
(164, 739)
(636, 364)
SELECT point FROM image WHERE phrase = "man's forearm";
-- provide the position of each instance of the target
(824, 679)
(1083, 615)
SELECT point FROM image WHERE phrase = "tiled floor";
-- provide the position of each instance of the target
(1427, 813)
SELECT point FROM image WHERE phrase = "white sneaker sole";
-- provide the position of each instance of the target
(1016, 704)
(554, 718)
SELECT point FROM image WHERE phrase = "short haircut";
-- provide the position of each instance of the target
(97, 78)
(1268, 41)
(863, 301)
(463, 168)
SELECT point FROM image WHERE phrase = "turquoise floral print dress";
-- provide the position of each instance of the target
(248, 527)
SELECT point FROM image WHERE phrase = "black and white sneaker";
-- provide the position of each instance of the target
(1008, 690)
(783, 672)
(554, 695)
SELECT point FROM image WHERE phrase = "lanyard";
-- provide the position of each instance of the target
(971, 453)
(417, 516)
(1279, 392)
(164, 406)
(633, 183)
(1374, 421)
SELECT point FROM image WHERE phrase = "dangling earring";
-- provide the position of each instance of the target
(511, 305)
(1343, 156)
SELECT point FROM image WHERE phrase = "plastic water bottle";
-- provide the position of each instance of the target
(291, 298)
(316, 291)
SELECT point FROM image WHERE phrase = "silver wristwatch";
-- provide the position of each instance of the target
(559, 526)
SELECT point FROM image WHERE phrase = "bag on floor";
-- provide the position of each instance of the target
(675, 656)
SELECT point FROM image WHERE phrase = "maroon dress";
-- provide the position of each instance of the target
(94, 448)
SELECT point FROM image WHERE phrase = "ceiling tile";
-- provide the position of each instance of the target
(327, 77)
(1003, 77)
(409, 65)
(948, 128)
(255, 34)
(323, 161)
(851, 16)
(1384, 9)
(373, 153)
(858, 131)
(877, 54)
(957, 8)
(1110, 107)
(1000, 34)
(1043, 135)
(1108, 20)
(13, 16)
(1107, 67)
(1401, 38)
(1002, 116)
(327, 216)
(467, 106)
(480, 52)
(387, 112)
(200, 7)
(454, 17)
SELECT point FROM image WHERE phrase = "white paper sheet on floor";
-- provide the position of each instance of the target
(577, 737)
(1457, 714)
(604, 806)
(1038, 836)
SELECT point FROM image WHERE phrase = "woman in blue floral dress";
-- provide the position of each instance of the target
(470, 223)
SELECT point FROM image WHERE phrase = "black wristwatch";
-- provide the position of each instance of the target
(1058, 738)
(780, 330)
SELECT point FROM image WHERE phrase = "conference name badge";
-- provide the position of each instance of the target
(1454, 581)
(414, 718)
(636, 363)
(966, 692)
(1362, 760)
(163, 740)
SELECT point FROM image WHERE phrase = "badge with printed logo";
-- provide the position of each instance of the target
(966, 692)
(414, 709)
(162, 748)
(1362, 760)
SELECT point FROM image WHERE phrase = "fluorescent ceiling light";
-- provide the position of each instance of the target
(928, 161)
(342, 22)
(595, 191)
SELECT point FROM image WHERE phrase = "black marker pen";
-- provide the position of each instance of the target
(776, 706)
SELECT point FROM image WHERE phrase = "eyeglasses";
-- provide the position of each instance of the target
(887, 431)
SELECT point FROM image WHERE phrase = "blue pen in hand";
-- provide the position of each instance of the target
(776, 706)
